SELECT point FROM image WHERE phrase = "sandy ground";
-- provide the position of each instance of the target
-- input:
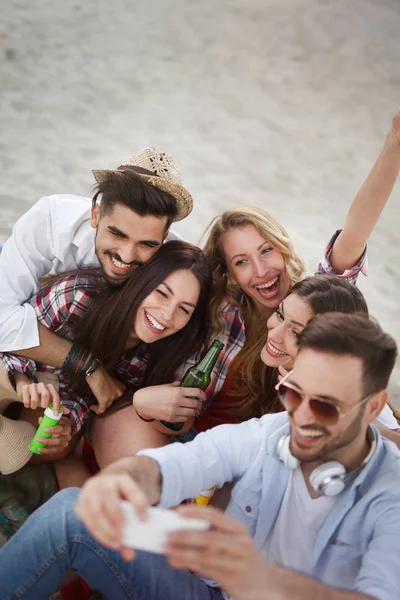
(281, 104)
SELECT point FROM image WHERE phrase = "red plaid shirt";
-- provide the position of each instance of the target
(59, 306)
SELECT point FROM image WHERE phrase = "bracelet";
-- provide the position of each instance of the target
(72, 358)
(79, 360)
(93, 366)
(143, 419)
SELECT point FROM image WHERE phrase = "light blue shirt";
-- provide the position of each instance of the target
(358, 546)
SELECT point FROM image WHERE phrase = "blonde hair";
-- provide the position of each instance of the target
(269, 229)
(253, 381)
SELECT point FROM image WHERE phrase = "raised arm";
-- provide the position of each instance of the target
(368, 204)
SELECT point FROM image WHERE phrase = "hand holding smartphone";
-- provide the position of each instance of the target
(151, 535)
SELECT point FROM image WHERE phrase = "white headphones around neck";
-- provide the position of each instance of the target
(328, 479)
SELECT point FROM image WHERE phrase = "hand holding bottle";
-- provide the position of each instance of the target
(169, 402)
(198, 377)
(60, 437)
(38, 395)
(47, 423)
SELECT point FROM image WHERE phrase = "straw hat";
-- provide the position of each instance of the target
(15, 436)
(166, 176)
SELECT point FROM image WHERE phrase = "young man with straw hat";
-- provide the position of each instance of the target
(139, 201)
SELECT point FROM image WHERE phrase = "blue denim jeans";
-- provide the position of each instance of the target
(53, 541)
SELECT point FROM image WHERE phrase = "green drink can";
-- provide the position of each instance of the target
(49, 420)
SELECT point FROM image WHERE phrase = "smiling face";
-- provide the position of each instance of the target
(255, 266)
(125, 240)
(284, 327)
(167, 309)
(316, 375)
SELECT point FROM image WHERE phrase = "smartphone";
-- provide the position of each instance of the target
(151, 535)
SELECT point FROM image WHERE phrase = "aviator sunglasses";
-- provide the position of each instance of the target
(324, 412)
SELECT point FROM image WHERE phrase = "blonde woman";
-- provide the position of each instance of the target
(254, 266)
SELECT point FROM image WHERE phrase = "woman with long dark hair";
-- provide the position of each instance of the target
(140, 332)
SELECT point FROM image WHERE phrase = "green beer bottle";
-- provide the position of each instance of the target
(199, 376)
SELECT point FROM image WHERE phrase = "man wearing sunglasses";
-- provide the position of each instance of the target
(315, 506)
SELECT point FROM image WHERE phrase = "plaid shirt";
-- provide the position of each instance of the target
(325, 267)
(234, 335)
(59, 306)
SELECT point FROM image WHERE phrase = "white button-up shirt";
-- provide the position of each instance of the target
(55, 235)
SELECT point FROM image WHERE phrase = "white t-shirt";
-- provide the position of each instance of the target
(387, 419)
(291, 541)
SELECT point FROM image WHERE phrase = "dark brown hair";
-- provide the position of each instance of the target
(356, 335)
(328, 293)
(125, 186)
(105, 327)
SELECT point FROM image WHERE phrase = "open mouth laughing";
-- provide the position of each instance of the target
(270, 289)
(307, 436)
(274, 351)
(121, 267)
(152, 323)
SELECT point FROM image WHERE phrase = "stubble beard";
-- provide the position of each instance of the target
(110, 280)
(330, 450)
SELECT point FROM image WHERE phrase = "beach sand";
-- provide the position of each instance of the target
(279, 104)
